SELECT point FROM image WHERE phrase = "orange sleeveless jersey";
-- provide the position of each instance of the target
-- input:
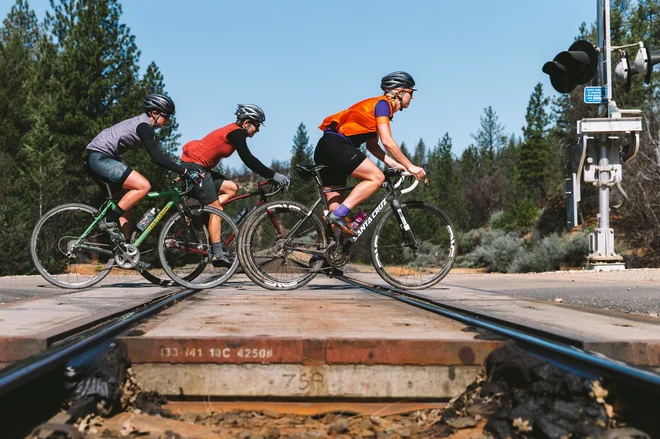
(359, 118)
(213, 147)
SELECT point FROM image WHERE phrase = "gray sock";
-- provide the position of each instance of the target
(217, 249)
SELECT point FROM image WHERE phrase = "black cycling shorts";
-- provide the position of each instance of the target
(106, 170)
(208, 193)
(336, 151)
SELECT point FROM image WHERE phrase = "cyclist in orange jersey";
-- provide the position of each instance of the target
(205, 154)
(343, 133)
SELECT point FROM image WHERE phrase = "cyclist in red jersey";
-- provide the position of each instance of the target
(205, 154)
(344, 132)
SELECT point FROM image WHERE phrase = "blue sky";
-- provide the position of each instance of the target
(302, 60)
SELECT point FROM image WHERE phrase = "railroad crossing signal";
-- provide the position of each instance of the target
(575, 66)
(643, 65)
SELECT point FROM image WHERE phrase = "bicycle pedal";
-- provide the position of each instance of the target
(143, 265)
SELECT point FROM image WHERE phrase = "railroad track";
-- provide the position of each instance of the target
(638, 389)
(31, 389)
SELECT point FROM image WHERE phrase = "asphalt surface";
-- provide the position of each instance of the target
(630, 291)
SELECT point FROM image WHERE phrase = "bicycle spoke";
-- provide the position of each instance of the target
(277, 245)
(403, 266)
(185, 245)
(61, 253)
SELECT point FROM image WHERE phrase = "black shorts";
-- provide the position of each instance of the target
(107, 171)
(335, 151)
(208, 193)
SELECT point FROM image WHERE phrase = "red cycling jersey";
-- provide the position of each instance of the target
(211, 149)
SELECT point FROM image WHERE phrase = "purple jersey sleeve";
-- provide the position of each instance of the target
(382, 109)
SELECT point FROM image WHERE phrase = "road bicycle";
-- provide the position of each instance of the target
(264, 191)
(284, 244)
(70, 250)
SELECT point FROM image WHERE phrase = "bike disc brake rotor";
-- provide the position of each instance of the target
(127, 256)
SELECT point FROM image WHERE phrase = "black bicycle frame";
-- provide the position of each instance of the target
(390, 197)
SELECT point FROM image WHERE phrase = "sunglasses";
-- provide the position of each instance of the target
(166, 116)
(410, 90)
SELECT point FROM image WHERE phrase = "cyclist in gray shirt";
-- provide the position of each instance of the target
(105, 165)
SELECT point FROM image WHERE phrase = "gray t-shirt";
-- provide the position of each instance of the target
(119, 138)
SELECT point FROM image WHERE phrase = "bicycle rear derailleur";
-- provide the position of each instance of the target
(127, 256)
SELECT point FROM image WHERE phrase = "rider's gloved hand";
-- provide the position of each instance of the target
(195, 176)
(282, 180)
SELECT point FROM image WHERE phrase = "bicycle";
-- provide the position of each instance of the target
(284, 244)
(70, 251)
(265, 190)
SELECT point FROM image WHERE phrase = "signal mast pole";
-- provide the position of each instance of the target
(601, 140)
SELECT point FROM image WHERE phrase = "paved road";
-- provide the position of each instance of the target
(631, 291)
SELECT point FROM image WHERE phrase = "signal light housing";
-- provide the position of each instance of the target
(577, 65)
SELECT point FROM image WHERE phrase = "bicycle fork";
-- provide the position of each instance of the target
(408, 236)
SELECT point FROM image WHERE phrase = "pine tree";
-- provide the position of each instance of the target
(482, 177)
(301, 154)
(404, 149)
(18, 38)
(419, 158)
(537, 163)
(19, 35)
(445, 184)
(95, 74)
(490, 138)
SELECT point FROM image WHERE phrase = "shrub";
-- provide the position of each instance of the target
(546, 256)
(497, 251)
(576, 249)
(467, 242)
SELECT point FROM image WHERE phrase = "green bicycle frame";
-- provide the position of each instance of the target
(175, 197)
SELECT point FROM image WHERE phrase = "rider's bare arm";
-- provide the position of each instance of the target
(393, 150)
(375, 149)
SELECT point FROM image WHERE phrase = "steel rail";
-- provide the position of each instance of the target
(30, 368)
(649, 381)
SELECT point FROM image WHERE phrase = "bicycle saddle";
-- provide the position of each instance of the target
(307, 171)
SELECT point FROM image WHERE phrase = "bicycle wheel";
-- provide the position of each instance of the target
(59, 253)
(398, 262)
(275, 245)
(153, 271)
(183, 247)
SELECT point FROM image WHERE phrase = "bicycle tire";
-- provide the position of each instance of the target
(183, 249)
(291, 268)
(401, 266)
(55, 232)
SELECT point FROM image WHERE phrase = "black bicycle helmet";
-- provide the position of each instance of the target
(397, 80)
(161, 103)
(250, 112)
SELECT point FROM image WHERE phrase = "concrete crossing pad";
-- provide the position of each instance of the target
(327, 341)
